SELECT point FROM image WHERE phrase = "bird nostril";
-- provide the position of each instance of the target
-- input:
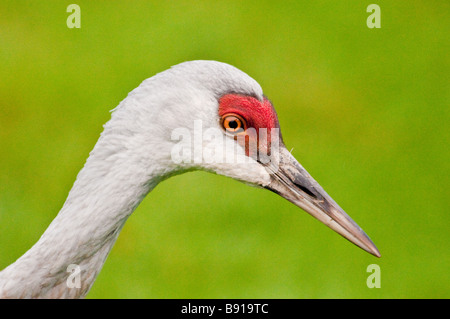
(307, 191)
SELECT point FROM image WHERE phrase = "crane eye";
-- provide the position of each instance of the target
(233, 123)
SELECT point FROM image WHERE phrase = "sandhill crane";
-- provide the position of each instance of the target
(138, 149)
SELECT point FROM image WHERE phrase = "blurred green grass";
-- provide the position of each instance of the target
(366, 111)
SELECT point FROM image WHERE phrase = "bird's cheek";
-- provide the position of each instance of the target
(246, 141)
(255, 146)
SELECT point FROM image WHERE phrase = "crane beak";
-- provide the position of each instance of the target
(291, 181)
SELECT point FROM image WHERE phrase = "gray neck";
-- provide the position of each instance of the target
(68, 257)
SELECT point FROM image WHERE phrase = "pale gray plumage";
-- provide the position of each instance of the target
(132, 155)
(130, 158)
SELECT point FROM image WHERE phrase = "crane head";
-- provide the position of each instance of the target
(215, 117)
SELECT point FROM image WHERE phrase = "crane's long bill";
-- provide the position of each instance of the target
(291, 181)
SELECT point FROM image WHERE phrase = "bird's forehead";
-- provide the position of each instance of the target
(216, 77)
(257, 114)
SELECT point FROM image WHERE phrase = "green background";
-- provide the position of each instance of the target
(366, 111)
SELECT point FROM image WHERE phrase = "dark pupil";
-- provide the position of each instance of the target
(233, 124)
